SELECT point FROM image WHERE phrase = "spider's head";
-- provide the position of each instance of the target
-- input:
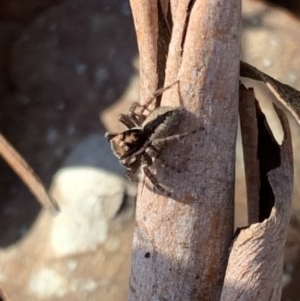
(128, 143)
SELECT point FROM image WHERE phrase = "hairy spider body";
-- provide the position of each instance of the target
(127, 143)
(134, 141)
(161, 122)
(139, 145)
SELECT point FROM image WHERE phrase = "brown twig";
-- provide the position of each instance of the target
(24, 171)
(285, 94)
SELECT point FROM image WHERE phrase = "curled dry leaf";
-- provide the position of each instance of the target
(287, 95)
(261, 155)
(254, 270)
(24, 171)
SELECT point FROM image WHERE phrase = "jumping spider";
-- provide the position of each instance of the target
(138, 147)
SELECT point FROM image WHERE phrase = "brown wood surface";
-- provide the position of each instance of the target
(181, 244)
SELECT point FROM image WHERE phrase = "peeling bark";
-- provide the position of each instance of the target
(255, 265)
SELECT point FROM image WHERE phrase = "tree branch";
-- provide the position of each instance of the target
(180, 247)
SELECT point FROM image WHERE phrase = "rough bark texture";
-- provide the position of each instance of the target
(249, 129)
(255, 264)
(180, 248)
(153, 38)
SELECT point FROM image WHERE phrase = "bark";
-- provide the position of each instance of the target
(181, 244)
(255, 264)
(250, 140)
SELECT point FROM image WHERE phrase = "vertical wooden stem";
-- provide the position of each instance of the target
(180, 247)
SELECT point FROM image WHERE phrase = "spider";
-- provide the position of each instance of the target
(139, 145)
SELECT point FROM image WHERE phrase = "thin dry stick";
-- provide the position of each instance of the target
(285, 94)
(23, 170)
(181, 244)
(249, 128)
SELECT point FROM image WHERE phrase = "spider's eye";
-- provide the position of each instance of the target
(127, 143)
(110, 136)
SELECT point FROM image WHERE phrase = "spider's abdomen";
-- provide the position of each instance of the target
(161, 122)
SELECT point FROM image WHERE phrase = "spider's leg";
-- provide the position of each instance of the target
(133, 168)
(152, 151)
(139, 117)
(155, 154)
(155, 95)
(154, 181)
(145, 107)
(146, 162)
(132, 175)
(128, 121)
(159, 141)
(162, 90)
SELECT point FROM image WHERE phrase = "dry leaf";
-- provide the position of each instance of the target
(254, 270)
(287, 95)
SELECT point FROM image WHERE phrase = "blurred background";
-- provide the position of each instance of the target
(67, 69)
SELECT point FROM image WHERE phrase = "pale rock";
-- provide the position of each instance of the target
(88, 196)
(47, 283)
